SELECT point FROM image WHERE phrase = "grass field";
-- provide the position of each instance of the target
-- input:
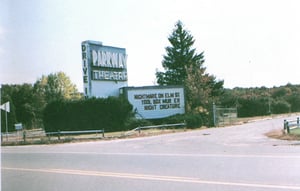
(295, 131)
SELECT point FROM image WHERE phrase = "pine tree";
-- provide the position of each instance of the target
(183, 66)
(179, 56)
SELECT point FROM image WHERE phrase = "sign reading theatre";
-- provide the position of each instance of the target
(156, 101)
(104, 69)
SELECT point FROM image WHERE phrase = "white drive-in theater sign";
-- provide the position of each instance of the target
(151, 102)
(104, 69)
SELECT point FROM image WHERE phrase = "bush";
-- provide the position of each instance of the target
(91, 114)
(253, 106)
(191, 120)
(294, 101)
(281, 106)
(179, 118)
(133, 123)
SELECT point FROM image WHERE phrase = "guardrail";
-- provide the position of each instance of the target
(139, 129)
(291, 124)
(61, 133)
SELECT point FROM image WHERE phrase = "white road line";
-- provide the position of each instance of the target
(198, 155)
(281, 156)
(153, 177)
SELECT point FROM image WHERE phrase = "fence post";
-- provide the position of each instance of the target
(103, 133)
(284, 124)
(24, 136)
(298, 122)
(287, 127)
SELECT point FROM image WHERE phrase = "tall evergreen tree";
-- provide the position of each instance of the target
(184, 66)
(179, 56)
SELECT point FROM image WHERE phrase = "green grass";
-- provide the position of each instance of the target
(295, 131)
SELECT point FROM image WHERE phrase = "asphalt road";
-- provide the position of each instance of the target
(232, 158)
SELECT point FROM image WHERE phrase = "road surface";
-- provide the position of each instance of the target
(232, 158)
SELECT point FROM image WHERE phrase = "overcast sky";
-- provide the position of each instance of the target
(247, 43)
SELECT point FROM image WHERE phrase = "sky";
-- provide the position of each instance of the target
(246, 43)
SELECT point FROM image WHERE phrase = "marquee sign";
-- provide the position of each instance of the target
(151, 102)
(104, 69)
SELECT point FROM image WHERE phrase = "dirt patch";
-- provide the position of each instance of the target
(280, 134)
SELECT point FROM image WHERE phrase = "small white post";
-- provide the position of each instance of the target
(0, 114)
(6, 125)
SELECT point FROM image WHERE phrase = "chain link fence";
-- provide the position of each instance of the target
(224, 116)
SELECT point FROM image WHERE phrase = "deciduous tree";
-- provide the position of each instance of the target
(56, 86)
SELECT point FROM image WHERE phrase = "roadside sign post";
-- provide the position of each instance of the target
(6, 126)
(6, 108)
(0, 115)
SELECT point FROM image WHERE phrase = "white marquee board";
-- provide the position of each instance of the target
(152, 102)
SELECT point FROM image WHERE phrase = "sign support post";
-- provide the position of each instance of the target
(6, 125)
(0, 114)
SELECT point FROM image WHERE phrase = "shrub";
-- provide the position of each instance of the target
(192, 120)
(132, 123)
(281, 106)
(91, 114)
(253, 106)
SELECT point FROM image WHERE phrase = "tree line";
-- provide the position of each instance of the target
(28, 106)
(260, 101)
(28, 101)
